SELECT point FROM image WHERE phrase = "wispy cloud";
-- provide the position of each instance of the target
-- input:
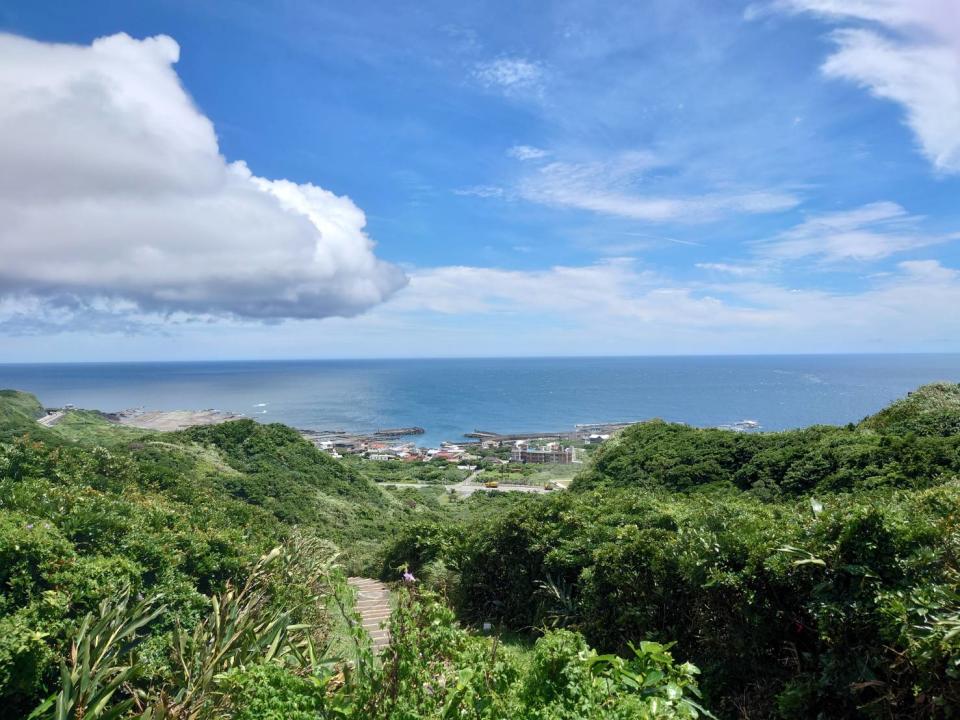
(464, 39)
(735, 269)
(625, 307)
(914, 60)
(613, 288)
(609, 244)
(867, 233)
(526, 152)
(483, 191)
(612, 188)
(511, 75)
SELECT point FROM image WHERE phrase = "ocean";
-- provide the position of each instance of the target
(449, 397)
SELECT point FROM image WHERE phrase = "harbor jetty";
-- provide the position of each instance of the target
(400, 432)
(580, 432)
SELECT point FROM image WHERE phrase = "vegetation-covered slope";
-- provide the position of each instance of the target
(275, 468)
(783, 609)
(811, 573)
(131, 588)
(79, 525)
(18, 414)
(930, 410)
(180, 514)
(913, 443)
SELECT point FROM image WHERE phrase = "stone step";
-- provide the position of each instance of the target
(373, 606)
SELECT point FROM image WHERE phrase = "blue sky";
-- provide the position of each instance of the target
(538, 178)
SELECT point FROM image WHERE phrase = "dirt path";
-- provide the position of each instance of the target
(373, 604)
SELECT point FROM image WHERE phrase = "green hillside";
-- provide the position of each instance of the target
(913, 443)
(285, 464)
(268, 466)
(88, 508)
(18, 414)
(142, 548)
(16, 406)
(930, 410)
(809, 573)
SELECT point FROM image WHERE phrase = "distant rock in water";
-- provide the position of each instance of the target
(741, 426)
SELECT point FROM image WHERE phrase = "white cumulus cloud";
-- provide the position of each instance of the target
(113, 191)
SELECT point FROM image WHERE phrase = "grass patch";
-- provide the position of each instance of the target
(92, 428)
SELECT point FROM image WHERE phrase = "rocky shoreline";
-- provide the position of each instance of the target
(169, 420)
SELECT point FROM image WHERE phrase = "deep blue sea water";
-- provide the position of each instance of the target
(450, 397)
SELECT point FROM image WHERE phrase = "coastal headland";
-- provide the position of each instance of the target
(161, 420)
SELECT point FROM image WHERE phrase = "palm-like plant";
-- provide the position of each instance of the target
(559, 607)
(241, 630)
(101, 662)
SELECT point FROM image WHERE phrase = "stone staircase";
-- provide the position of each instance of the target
(373, 605)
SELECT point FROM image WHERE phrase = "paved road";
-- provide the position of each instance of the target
(469, 486)
(467, 489)
(51, 418)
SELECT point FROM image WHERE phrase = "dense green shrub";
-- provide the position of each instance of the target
(271, 692)
(811, 573)
(76, 526)
(434, 669)
(768, 598)
(914, 443)
(930, 410)
(182, 514)
(677, 457)
(278, 468)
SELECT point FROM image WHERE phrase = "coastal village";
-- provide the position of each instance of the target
(482, 448)
(482, 460)
(393, 445)
(464, 455)
(531, 461)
